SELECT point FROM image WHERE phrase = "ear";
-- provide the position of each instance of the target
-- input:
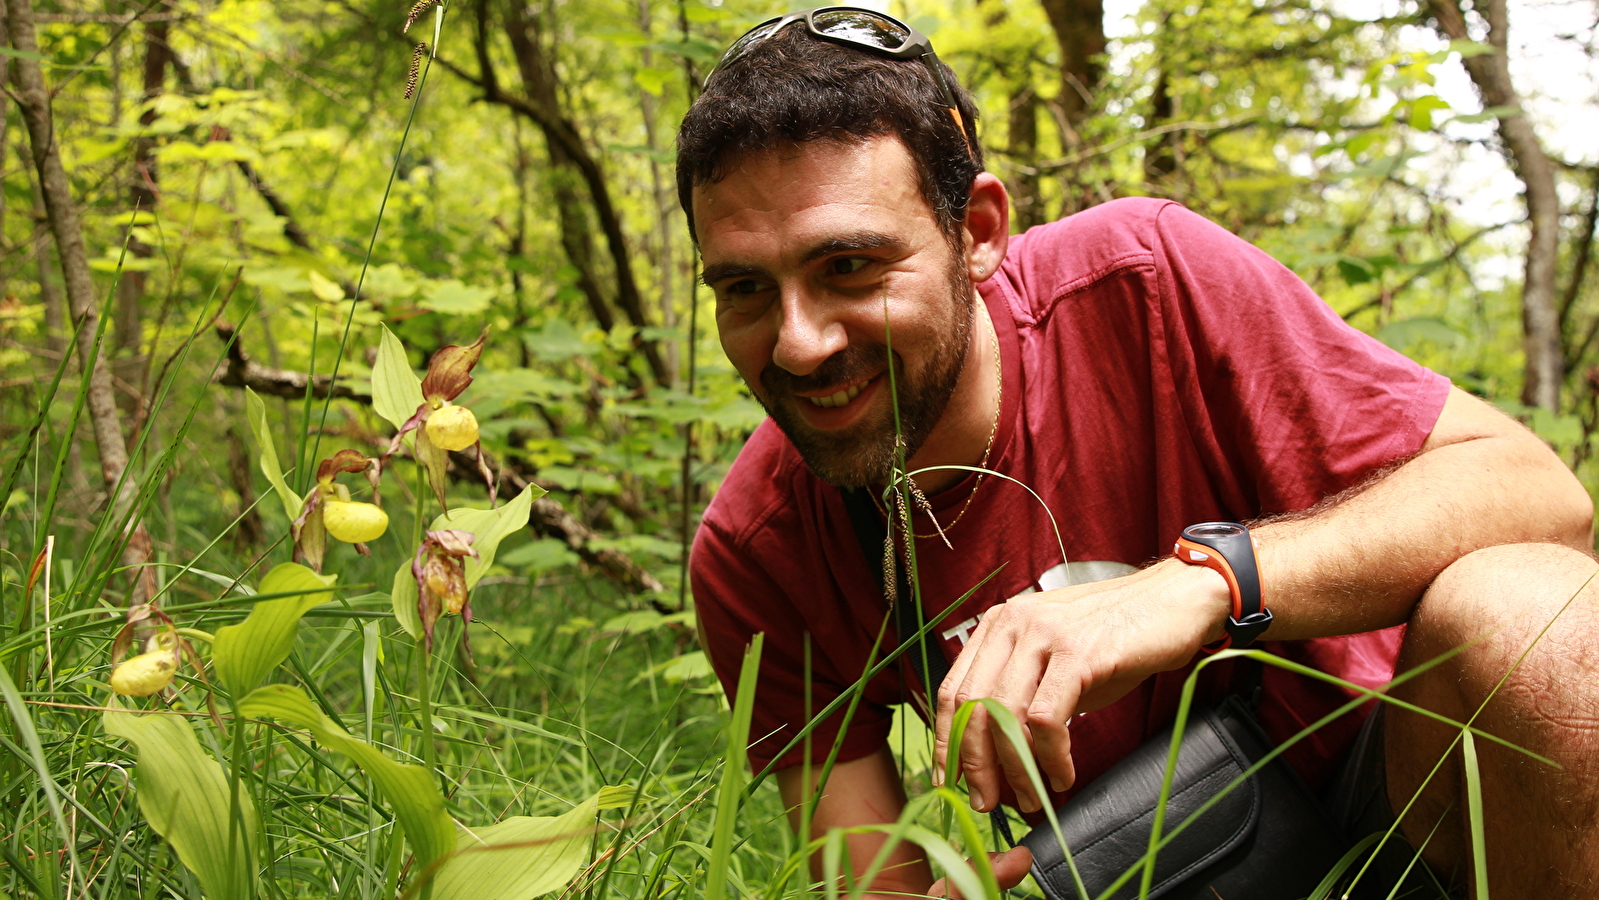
(986, 227)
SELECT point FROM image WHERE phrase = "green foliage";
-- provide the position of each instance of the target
(245, 654)
(524, 856)
(255, 409)
(185, 797)
(410, 791)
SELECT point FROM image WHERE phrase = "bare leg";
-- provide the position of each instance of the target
(1541, 823)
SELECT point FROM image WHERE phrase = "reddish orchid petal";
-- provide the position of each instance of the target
(343, 461)
(450, 370)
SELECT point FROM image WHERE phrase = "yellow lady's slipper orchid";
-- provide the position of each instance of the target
(353, 522)
(452, 427)
(144, 674)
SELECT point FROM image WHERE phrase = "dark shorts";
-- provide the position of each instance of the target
(1358, 801)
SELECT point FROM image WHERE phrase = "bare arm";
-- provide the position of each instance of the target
(1481, 479)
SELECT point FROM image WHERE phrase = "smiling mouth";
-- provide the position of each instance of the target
(841, 397)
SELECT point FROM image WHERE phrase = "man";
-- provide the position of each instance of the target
(1141, 370)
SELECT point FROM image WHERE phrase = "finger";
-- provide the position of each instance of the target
(1016, 689)
(1048, 720)
(978, 760)
(947, 704)
(1011, 866)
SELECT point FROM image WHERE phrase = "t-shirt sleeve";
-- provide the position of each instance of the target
(736, 597)
(1283, 398)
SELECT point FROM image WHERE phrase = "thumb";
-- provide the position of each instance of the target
(1010, 867)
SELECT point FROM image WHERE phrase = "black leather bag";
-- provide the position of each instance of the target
(1268, 838)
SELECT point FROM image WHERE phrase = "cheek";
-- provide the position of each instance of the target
(747, 348)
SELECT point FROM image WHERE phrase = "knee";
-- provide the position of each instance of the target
(1508, 585)
(1501, 601)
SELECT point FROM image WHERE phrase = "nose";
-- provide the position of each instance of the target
(807, 334)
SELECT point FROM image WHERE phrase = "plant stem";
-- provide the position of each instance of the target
(235, 776)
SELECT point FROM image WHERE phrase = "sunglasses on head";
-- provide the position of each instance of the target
(863, 29)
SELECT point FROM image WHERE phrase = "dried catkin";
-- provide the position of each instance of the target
(417, 53)
(417, 9)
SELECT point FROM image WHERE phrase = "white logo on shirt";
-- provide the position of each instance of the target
(1054, 577)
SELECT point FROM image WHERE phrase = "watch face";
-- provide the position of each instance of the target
(1213, 530)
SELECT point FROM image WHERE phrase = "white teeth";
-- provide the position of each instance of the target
(840, 398)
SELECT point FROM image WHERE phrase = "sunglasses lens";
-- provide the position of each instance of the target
(861, 27)
(752, 37)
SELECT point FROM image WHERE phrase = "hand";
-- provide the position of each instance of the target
(1010, 868)
(1048, 655)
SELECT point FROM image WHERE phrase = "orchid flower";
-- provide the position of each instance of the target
(328, 510)
(440, 425)
(440, 572)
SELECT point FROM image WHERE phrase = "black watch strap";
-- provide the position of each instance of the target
(1227, 548)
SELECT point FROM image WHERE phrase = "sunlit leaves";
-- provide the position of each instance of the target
(183, 793)
(255, 411)
(246, 653)
(524, 856)
(396, 390)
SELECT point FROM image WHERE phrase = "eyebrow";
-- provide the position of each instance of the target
(860, 240)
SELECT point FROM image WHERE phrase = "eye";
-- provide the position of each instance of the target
(745, 286)
(848, 265)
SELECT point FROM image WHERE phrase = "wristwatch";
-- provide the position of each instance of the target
(1227, 548)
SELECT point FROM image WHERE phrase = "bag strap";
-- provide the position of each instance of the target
(926, 657)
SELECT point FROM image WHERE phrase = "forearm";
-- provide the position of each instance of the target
(1361, 562)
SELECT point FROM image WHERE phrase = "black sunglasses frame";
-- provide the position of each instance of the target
(915, 46)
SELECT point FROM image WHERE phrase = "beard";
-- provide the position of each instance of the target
(865, 452)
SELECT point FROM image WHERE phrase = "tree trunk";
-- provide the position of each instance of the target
(55, 318)
(127, 330)
(33, 100)
(1540, 321)
(1079, 27)
(542, 105)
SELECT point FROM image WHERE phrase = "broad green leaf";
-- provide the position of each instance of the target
(411, 791)
(396, 391)
(456, 298)
(255, 411)
(491, 526)
(403, 597)
(246, 653)
(183, 792)
(324, 288)
(524, 856)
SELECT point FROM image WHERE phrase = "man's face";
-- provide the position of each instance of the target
(801, 244)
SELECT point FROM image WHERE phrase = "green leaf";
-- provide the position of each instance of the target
(183, 792)
(410, 790)
(255, 411)
(456, 298)
(730, 791)
(402, 599)
(1422, 108)
(246, 653)
(1479, 852)
(1468, 48)
(524, 856)
(396, 391)
(491, 526)
(1355, 270)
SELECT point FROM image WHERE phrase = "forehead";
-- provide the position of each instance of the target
(776, 202)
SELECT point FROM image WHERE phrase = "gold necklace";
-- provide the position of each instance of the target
(993, 430)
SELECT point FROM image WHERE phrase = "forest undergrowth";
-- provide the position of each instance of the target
(370, 678)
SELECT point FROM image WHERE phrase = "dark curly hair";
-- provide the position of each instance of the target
(793, 88)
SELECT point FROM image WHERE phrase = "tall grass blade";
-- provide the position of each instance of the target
(1479, 849)
(729, 793)
(41, 767)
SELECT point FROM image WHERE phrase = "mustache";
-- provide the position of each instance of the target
(853, 363)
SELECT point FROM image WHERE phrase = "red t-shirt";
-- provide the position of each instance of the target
(1157, 372)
